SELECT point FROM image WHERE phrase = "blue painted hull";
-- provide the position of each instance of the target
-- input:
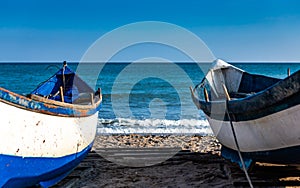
(37, 171)
(290, 155)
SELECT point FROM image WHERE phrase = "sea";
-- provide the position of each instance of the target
(142, 98)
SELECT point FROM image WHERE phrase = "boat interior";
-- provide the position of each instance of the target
(230, 82)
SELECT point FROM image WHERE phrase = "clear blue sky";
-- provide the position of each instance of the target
(235, 30)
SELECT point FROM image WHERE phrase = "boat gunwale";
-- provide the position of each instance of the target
(281, 85)
(77, 109)
(63, 104)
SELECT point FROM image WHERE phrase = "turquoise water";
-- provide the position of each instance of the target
(137, 98)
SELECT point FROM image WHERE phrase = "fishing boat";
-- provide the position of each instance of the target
(255, 117)
(45, 134)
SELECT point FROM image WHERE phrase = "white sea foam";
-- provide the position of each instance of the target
(153, 126)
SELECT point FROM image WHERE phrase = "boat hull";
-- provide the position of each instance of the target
(38, 148)
(289, 155)
(272, 132)
(37, 171)
(263, 111)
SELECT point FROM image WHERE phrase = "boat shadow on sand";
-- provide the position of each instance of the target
(184, 169)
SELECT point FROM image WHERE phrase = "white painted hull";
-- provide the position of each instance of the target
(30, 134)
(275, 131)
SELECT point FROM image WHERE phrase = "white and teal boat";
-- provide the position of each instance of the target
(255, 115)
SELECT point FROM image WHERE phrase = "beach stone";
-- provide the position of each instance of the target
(193, 143)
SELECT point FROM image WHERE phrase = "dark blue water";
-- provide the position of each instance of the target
(137, 98)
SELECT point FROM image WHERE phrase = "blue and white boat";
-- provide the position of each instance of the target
(44, 135)
(262, 111)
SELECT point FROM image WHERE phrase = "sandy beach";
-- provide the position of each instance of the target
(169, 161)
(203, 168)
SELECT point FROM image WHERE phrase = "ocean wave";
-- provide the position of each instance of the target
(153, 126)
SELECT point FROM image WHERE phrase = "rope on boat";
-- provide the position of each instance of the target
(234, 135)
(237, 145)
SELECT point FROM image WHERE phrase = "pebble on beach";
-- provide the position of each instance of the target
(203, 144)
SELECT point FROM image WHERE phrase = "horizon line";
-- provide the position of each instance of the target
(234, 61)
